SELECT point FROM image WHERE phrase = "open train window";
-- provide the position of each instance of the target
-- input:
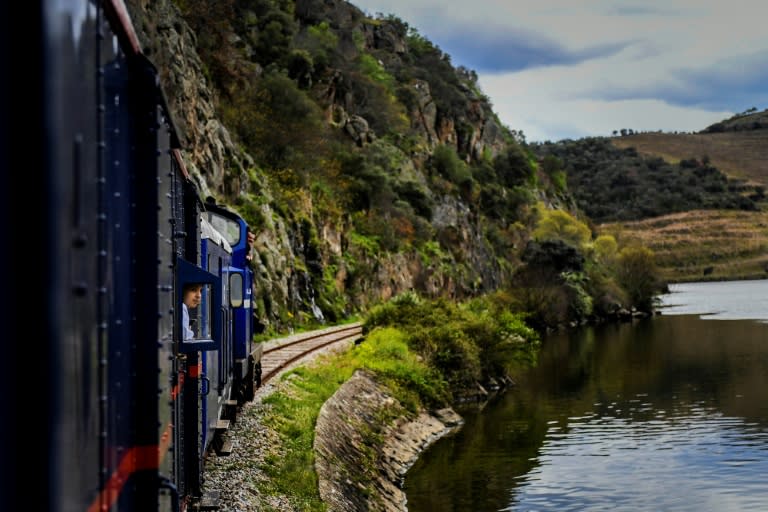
(199, 319)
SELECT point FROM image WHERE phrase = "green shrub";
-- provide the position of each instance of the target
(446, 163)
(581, 304)
(506, 340)
(638, 275)
(386, 353)
(465, 343)
(376, 72)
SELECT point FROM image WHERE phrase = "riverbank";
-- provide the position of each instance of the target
(666, 413)
(286, 457)
(365, 442)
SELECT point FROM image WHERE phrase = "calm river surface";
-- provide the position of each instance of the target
(663, 414)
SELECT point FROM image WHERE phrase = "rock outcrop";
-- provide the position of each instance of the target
(365, 442)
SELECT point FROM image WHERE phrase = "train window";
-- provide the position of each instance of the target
(236, 290)
(214, 264)
(229, 228)
(199, 303)
(197, 312)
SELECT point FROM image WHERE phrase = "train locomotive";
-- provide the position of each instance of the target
(128, 407)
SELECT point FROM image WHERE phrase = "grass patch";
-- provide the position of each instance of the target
(292, 414)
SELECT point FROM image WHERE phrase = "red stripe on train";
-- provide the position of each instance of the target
(137, 458)
(195, 371)
(177, 388)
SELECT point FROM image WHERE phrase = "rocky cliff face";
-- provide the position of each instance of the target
(212, 158)
(287, 270)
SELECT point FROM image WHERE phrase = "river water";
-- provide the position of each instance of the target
(668, 413)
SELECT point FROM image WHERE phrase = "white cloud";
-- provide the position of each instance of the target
(557, 69)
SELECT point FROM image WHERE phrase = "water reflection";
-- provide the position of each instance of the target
(670, 413)
(673, 461)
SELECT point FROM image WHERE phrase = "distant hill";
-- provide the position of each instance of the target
(621, 184)
(746, 121)
(714, 244)
(739, 154)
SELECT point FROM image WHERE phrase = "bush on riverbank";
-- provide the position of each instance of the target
(478, 341)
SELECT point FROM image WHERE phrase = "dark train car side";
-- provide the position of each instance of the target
(111, 234)
(111, 176)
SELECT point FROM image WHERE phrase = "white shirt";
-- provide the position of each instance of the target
(188, 333)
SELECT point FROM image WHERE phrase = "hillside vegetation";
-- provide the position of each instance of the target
(367, 166)
(612, 184)
(739, 154)
(702, 245)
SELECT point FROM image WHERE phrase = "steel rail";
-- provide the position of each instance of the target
(314, 335)
(340, 335)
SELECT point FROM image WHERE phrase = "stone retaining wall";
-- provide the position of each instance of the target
(365, 442)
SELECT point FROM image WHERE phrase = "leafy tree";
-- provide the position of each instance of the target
(269, 28)
(417, 196)
(513, 167)
(560, 225)
(638, 275)
(553, 255)
(301, 67)
(321, 43)
(278, 122)
(447, 164)
(550, 164)
(368, 184)
(605, 250)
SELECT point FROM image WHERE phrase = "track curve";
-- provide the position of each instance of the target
(279, 354)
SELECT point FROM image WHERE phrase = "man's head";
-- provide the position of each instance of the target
(192, 294)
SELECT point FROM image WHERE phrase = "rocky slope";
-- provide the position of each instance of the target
(308, 265)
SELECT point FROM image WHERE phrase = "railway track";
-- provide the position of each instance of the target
(278, 354)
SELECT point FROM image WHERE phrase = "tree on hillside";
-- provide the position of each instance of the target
(638, 275)
(513, 167)
(605, 251)
(560, 225)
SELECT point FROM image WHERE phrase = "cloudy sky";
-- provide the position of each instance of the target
(560, 69)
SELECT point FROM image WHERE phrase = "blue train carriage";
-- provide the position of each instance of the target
(218, 340)
(196, 352)
(217, 364)
(246, 353)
